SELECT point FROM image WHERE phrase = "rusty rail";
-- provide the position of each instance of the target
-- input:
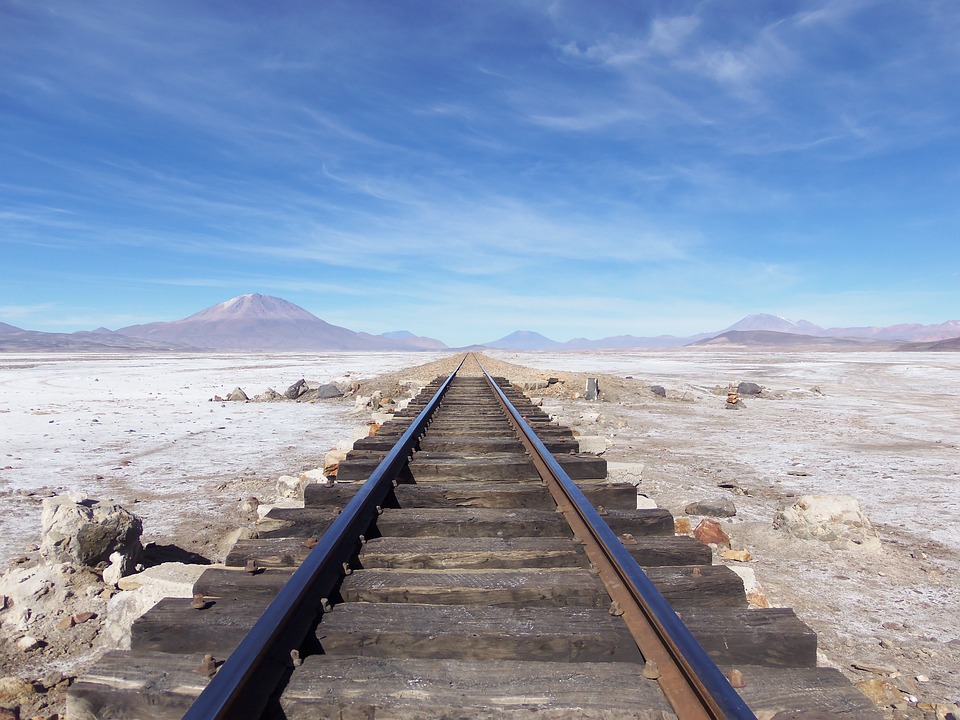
(692, 682)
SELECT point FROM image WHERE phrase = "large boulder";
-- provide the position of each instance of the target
(296, 390)
(90, 532)
(329, 391)
(237, 395)
(836, 519)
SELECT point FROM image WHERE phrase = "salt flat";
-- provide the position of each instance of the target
(142, 428)
(881, 427)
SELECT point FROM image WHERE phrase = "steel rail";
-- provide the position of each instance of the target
(692, 682)
(244, 684)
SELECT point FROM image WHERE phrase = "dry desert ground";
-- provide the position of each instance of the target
(883, 428)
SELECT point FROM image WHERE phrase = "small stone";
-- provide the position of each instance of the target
(646, 503)
(681, 526)
(709, 532)
(83, 617)
(922, 678)
(658, 390)
(947, 712)
(329, 391)
(716, 507)
(736, 555)
(238, 395)
(296, 390)
(749, 388)
(882, 692)
(288, 486)
(13, 688)
(28, 643)
(66, 623)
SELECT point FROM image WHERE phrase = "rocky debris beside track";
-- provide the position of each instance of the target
(60, 604)
(835, 519)
(302, 391)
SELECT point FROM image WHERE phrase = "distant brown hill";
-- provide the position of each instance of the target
(793, 341)
(951, 345)
(13, 339)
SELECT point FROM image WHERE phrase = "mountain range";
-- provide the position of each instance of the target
(264, 323)
(261, 323)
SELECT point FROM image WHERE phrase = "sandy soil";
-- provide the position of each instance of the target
(880, 427)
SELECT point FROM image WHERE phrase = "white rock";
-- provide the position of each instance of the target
(290, 487)
(308, 477)
(596, 444)
(836, 519)
(141, 592)
(645, 503)
(41, 590)
(624, 472)
(749, 577)
(88, 532)
(28, 643)
(114, 571)
(590, 417)
(265, 508)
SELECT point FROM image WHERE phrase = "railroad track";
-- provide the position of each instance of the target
(476, 566)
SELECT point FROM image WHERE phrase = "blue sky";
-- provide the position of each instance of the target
(465, 169)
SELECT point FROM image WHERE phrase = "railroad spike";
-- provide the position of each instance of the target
(311, 542)
(253, 567)
(325, 605)
(208, 666)
(199, 602)
(615, 609)
(650, 670)
(347, 570)
(295, 658)
(736, 679)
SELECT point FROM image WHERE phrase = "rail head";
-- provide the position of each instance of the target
(700, 690)
(243, 685)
